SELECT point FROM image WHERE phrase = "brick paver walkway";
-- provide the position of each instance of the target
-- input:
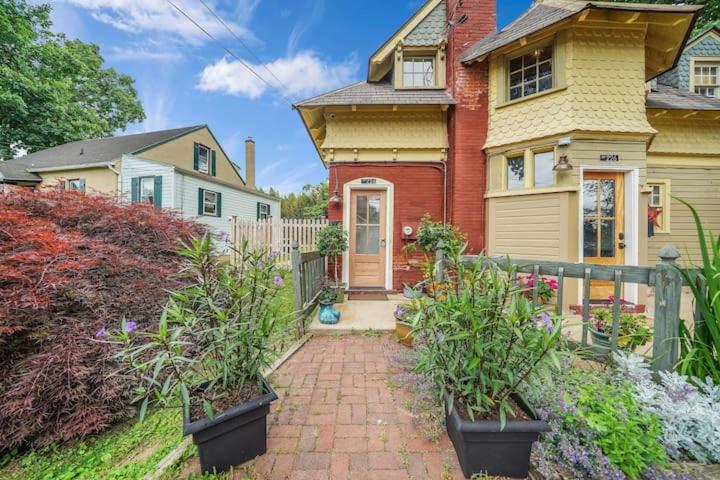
(339, 417)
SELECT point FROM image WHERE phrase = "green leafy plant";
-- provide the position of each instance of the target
(483, 339)
(331, 242)
(211, 344)
(431, 233)
(633, 331)
(327, 295)
(700, 348)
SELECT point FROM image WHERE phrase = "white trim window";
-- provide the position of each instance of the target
(210, 203)
(419, 72)
(707, 79)
(659, 204)
(203, 159)
(147, 190)
(515, 172)
(263, 212)
(530, 73)
(543, 169)
(76, 185)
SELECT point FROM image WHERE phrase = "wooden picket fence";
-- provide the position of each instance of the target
(277, 235)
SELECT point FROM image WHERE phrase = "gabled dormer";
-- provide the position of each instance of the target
(414, 56)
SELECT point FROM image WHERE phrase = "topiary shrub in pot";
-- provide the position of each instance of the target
(633, 331)
(482, 343)
(332, 241)
(208, 354)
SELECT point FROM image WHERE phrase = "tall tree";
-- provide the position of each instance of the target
(312, 202)
(54, 90)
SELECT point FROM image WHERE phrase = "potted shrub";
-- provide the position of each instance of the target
(208, 354)
(546, 288)
(633, 332)
(331, 242)
(482, 343)
(327, 298)
(403, 326)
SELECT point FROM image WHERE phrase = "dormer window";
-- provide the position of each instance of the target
(707, 79)
(418, 72)
(531, 73)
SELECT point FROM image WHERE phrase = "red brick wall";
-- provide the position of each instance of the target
(468, 123)
(418, 189)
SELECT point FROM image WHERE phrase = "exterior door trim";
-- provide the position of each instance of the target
(389, 189)
(632, 221)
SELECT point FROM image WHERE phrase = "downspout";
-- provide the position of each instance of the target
(445, 190)
(112, 168)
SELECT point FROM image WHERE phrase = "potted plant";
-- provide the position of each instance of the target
(331, 242)
(546, 288)
(403, 325)
(208, 353)
(327, 298)
(481, 344)
(633, 331)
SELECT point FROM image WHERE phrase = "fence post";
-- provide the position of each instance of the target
(439, 276)
(668, 291)
(297, 287)
(234, 239)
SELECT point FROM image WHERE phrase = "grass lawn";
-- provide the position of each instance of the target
(130, 450)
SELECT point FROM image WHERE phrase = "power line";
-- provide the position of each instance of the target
(227, 50)
(242, 42)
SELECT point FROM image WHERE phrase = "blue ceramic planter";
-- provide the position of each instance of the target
(328, 314)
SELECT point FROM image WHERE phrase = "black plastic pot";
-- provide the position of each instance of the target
(483, 449)
(234, 436)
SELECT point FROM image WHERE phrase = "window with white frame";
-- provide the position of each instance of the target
(419, 72)
(530, 73)
(658, 207)
(76, 184)
(706, 79)
(543, 168)
(203, 159)
(263, 211)
(515, 172)
(210, 203)
(147, 190)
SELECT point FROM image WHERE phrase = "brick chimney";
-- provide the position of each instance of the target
(472, 20)
(250, 162)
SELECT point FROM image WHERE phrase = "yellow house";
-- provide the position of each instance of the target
(183, 169)
(585, 149)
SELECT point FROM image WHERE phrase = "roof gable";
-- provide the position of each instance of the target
(711, 34)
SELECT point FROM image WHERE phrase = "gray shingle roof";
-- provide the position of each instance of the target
(545, 13)
(670, 98)
(382, 93)
(84, 152)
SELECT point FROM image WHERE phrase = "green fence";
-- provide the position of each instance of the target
(308, 271)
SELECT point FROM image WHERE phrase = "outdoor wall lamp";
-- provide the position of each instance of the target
(563, 165)
(335, 198)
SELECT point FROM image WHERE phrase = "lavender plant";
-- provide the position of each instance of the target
(483, 339)
(689, 413)
(211, 344)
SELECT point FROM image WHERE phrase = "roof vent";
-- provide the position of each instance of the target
(463, 18)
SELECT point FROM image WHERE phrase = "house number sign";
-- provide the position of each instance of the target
(366, 181)
(609, 157)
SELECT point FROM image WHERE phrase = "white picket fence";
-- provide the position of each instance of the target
(277, 234)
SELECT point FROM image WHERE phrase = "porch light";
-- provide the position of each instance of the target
(563, 165)
(335, 198)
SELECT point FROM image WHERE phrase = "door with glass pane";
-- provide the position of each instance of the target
(367, 239)
(603, 225)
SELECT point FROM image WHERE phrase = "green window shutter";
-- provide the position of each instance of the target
(135, 189)
(213, 165)
(218, 210)
(201, 197)
(258, 211)
(196, 158)
(158, 192)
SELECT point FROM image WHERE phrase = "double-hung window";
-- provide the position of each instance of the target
(147, 190)
(210, 203)
(531, 73)
(203, 159)
(76, 184)
(419, 72)
(658, 205)
(707, 79)
(263, 211)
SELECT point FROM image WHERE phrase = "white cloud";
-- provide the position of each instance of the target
(301, 75)
(134, 16)
(140, 54)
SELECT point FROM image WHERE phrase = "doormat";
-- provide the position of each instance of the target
(367, 296)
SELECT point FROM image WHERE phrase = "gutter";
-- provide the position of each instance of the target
(78, 166)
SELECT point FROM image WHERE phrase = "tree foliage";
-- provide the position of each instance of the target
(69, 265)
(54, 90)
(312, 202)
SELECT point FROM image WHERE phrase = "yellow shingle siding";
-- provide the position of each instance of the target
(685, 136)
(603, 72)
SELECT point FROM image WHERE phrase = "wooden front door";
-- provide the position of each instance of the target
(603, 225)
(367, 239)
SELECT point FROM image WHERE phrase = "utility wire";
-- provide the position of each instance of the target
(244, 44)
(227, 50)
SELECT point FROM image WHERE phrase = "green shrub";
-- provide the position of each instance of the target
(430, 233)
(331, 242)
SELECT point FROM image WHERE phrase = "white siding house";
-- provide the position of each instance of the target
(206, 199)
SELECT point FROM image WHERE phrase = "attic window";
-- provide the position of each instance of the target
(531, 73)
(707, 79)
(419, 72)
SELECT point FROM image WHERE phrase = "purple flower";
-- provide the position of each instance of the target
(547, 321)
(224, 235)
(278, 280)
(273, 254)
(101, 332)
(399, 313)
(130, 327)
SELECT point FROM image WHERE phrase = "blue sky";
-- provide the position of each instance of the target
(183, 78)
